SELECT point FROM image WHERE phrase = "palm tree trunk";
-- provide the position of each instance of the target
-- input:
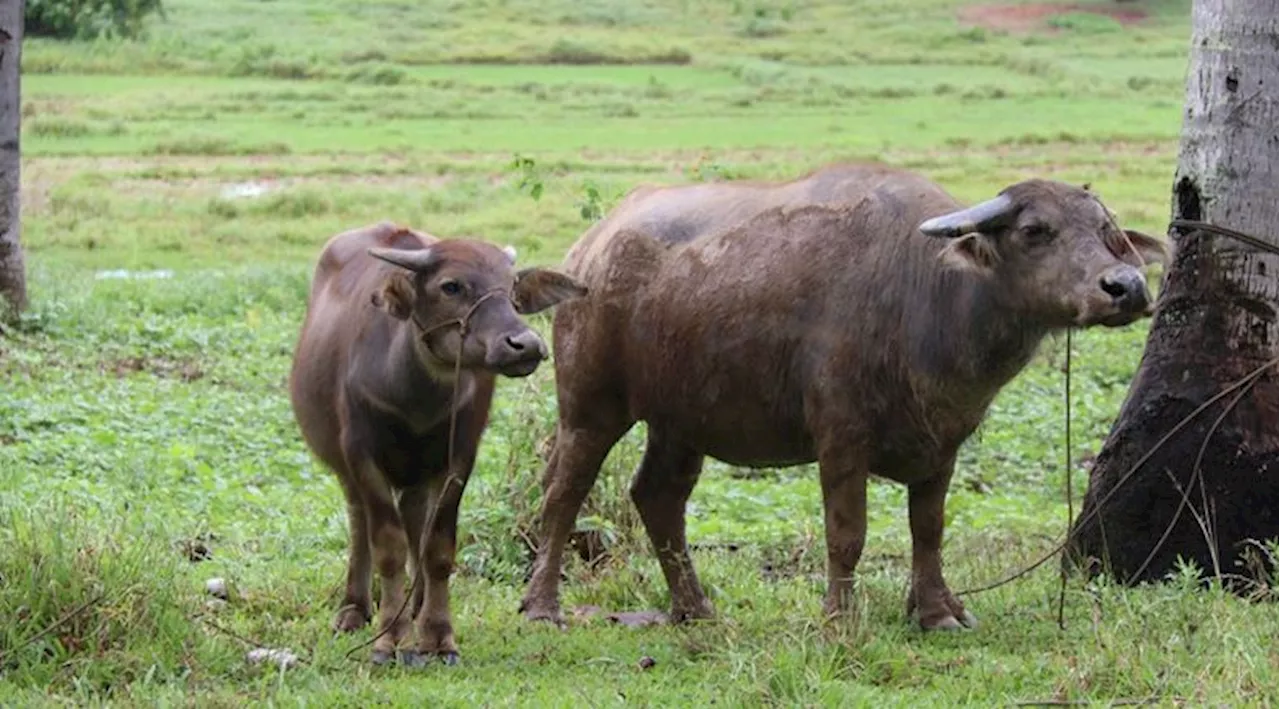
(13, 281)
(1204, 491)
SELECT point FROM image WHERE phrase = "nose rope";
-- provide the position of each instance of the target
(464, 326)
(463, 323)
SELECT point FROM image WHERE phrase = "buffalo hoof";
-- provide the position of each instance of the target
(350, 618)
(417, 660)
(449, 658)
(413, 658)
(698, 611)
(544, 615)
(965, 621)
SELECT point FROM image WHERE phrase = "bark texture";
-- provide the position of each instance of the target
(13, 280)
(1215, 324)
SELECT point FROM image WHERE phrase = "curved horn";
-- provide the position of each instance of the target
(412, 259)
(979, 217)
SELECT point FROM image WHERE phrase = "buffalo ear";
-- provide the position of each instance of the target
(1151, 249)
(538, 289)
(395, 296)
(971, 252)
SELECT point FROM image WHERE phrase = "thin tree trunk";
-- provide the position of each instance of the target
(13, 279)
(1215, 325)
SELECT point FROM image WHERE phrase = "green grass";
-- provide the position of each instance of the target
(141, 418)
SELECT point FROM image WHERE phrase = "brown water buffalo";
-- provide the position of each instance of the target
(402, 329)
(859, 317)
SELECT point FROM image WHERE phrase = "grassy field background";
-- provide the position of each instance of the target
(176, 191)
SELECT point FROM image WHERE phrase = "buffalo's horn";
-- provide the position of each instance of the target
(412, 259)
(979, 217)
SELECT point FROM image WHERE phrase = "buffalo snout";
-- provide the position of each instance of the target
(516, 354)
(1127, 288)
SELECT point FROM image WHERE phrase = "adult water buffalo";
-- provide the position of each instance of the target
(859, 317)
(403, 336)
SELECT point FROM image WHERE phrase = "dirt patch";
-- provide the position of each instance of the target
(184, 369)
(1028, 18)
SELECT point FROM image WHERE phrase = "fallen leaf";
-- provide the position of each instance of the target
(282, 657)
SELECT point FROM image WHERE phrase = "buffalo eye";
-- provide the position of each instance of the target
(451, 288)
(1038, 233)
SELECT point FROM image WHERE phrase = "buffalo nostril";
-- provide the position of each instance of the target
(1115, 288)
(515, 344)
(1127, 288)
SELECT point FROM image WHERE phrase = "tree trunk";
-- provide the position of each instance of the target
(13, 278)
(1215, 325)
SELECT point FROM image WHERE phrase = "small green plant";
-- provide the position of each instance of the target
(529, 179)
(1260, 567)
(589, 207)
(89, 19)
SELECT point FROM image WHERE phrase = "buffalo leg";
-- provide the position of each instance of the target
(660, 490)
(413, 514)
(435, 624)
(929, 597)
(844, 501)
(572, 471)
(357, 603)
(390, 551)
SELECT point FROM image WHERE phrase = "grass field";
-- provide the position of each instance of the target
(176, 191)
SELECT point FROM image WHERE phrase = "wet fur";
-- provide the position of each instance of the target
(777, 324)
(376, 404)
